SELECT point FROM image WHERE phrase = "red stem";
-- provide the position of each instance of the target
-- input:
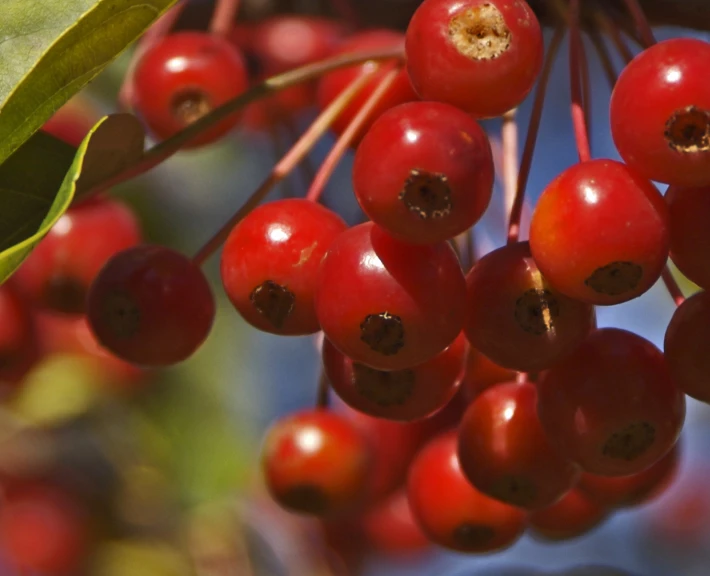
(509, 161)
(642, 24)
(581, 134)
(223, 17)
(531, 136)
(612, 30)
(322, 399)
(672, 286)
(604, 57)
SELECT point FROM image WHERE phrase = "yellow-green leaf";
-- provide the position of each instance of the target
(50, 49)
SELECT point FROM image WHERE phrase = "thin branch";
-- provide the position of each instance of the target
(604, 57)
(223, 17)
(672, 286)
(612, 30)
(642, 25)
(509, 141)
(581, 134)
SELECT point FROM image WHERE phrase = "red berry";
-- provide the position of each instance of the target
(59, 271)
(633, 490)
(409, 394)
(689, 211)
(516, 317)
(482, 56)
(184, 77)
(43, 530)
(482, 373)
(391, 528)
(450, 511)
(331, 85)
(18, 335)
(575, 514)
(660, 112)
(611, 406)
(388, 304)
(270, 264)
(599, 233)
(504, 452)
(151, 306)
(267, 113)
(316, 462)
(686, 346)
(424, 172)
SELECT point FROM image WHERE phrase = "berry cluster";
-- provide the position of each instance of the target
(478, 399)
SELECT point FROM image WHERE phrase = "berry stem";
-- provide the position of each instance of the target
(346, 138)
(167, 148)
(642, 24)
(286, 164)
(581, 133)
(672, 286)
(531, 136)
(509, 140)
(322, 398)
(604, 57)
(223, 17)
(612, 30)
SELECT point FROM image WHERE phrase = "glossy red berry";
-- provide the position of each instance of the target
(316, 462)
(388, 304)
(59, 271)
(572, 516)
(482, 56)
(424, 172)
(482, 373)
(686, 346)
(184, 77)
(42, 530)
(151, 306)
(450, 511)
(516, 317)
(665, 134)
(633, 490)
(612, 406)
(331, 85)
(599, 233)
(19, 348)
(689, 211)
(270, 264)
(409, 394)
(505, 453)
(391, 529)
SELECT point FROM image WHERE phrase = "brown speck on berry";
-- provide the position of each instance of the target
(122, 315)
(190, 105)
(516, 490)
(65, 294)
(688, 130)
(631, 442)
(427, 194)
(472, 536)
(480, 33)
(381, 387)
(615, 278)
(383, 332)
(536, 310)
(273, 301)
(307, 499)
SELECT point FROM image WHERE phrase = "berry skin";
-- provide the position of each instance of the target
(151, 306)
(59, 271)
(575, 514)
(515, 317)
(406, 395)
(19, 348)
(482, 56)
(424, 172)
(42, 530)
(391, 529)
(331, 85)
(686, 346)
(316, 462)
(611, 405)
(505, 454)
(450, 511)
(599, 233)
(660, 113)
(689, 211)
(482, 373)
(388, 304)
(270, 264)
(184, 77)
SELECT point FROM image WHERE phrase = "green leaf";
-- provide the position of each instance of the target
(50, 49)
(38, 183)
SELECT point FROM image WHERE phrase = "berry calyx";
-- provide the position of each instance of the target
(424, 172)
(151, 306)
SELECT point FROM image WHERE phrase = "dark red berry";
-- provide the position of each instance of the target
(270, 264)
(424, 172)
(482, 56)
(450, 511)
(505, 453)
(599, 233)
(660, 112)
(611, 405)
(482, 373)
(183, 78)
(316, 462)
(388, 304)
(391, 529)
(151, 306)
(572, 516)
(19, 348)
